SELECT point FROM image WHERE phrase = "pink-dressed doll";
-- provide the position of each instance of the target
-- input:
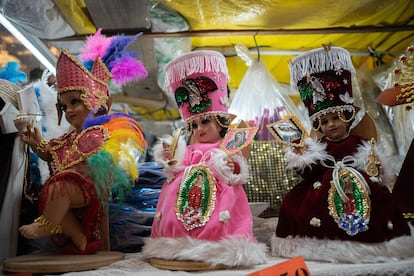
(202, 214)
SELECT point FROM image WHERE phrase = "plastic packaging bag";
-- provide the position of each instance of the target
(261, 100)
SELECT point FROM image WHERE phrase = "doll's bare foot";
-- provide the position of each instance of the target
(80, 241)
(33, 231)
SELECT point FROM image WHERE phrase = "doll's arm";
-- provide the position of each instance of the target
(162, 152)
(305, 157)
(233, 169)
(35, 140)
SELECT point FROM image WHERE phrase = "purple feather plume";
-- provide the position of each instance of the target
(117, 50)
(127, 69)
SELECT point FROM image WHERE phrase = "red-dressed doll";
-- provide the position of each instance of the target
(343, 200)
(96, 157)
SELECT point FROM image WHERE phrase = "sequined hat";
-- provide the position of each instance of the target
(103, 59)
(198, 81)
(72, 75)
(323, 77)
(402, 90)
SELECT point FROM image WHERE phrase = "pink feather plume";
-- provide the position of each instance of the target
(96, 46)
(127, 69)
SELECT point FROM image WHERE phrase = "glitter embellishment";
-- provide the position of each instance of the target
(351, 215)
(195, 92)
(196, 198)
(75, 147)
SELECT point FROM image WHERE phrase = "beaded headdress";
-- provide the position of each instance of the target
(198, 81)
(402, 91)
(103, 59)
(323, 77)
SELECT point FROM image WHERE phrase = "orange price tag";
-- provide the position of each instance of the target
(295, 267)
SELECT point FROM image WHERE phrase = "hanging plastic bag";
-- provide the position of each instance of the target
(259, 101)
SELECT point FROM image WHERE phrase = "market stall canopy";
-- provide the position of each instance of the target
(374, 31)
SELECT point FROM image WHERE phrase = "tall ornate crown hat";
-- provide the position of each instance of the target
(402, 91)
(323, 77)
(72, 75)
(198, 80)
(101, 60)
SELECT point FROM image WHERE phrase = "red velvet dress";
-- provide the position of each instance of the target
(306, 210)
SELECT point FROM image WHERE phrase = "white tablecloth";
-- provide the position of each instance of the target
(134, 265)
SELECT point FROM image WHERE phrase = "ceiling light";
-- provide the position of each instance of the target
(28, 44)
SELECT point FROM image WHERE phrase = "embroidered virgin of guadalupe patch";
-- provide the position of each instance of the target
(352, 214)
(196, 198)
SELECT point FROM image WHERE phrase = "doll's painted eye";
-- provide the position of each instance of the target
(75, 101)
(205, 121)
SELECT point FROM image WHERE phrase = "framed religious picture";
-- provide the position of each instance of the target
(237, 139)
(288, 131)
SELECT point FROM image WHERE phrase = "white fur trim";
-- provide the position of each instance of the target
(361, 156)
(231, 252)
(337, 251)
(219, 161)
(315, 151)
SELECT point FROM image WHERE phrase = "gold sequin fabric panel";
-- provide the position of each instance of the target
(269, 179)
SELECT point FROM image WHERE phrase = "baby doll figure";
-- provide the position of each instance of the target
(344, 194)
(202, 207)
(96, 157)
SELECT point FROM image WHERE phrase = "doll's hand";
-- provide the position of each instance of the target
(167, 150)
(230, 163)
(31, 136)
(299, 150)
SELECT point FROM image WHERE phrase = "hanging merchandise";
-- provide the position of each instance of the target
(164, 19)
(260, 100)
(396, 98)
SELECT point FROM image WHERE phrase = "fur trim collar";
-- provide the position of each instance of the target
(315, 152)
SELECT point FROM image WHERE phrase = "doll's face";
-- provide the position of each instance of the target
(206, 130)
(74, 108)
(333, 127)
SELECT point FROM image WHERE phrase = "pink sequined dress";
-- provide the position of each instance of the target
(203, 208)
